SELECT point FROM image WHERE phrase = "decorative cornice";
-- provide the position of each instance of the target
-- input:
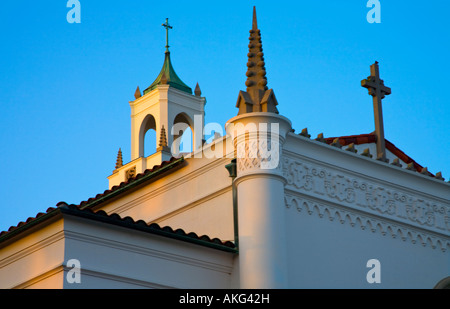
(113, 277)
(55, 270)
(368, 197)
(142, 250)
(367, 221)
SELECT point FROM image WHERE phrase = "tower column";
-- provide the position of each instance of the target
(258, 138)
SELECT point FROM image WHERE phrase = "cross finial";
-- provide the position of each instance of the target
(167, 26)
(378, 91)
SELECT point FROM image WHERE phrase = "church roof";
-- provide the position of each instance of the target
(371, 138)
(169, 77)
(115, 219)
(149, 174)
(85, 209)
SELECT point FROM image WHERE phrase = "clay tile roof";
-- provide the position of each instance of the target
(84, 209)
(127, 222)
(356, 139)
(133, 182)
(371, 138)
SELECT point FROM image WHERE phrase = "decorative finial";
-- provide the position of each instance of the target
(411, 167)
(351, 148)
(167, 26)
(366, 153)
(163, 137)
(439, 176)
(119, 161)
(424, 171)
(137, 93)
(254, 22)
(305, 133)
(320, 138)
(336, 143)
(197, 91)
(162, 140)
(396, 162)
(258, 97)
(256, 73)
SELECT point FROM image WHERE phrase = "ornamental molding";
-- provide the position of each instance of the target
(258, 154)
(351, 193)
(368, 222)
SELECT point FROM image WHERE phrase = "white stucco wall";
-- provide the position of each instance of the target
(117, 257)
(34, 260)
(343, 210)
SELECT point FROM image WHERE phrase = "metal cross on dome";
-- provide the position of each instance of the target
(378, 91)
(167, 26)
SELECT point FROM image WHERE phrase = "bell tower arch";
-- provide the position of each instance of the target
(164, 106)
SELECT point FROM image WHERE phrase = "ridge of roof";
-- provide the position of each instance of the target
(132, 182)
(116, 219)
(359, 139)
(106, 195)
(371, 138)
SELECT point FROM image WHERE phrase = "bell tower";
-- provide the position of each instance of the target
(168, 107)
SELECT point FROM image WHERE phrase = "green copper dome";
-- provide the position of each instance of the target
(169, 77)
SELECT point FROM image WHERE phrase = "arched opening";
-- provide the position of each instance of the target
(186, 141)
(183, 134)
(147, 136)
(149, 142)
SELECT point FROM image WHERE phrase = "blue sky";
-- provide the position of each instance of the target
(64, 88)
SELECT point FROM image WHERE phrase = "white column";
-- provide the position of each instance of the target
(260, 191)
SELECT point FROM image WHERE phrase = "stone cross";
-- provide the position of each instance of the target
(167, 26)
(378, 91)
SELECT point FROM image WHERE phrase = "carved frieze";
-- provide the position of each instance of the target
(258, 153)
(367, 222)
(365, 196)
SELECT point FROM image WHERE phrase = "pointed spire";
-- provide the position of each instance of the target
(255, 22)
(137, 93)
(167, 74)
(256, 73)
(258, 97)
(119, 161)
(197, 91)
(163, 138)
(163, 146)
(164, 78)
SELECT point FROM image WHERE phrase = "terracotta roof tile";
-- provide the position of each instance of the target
(147, 174)
(371, 138)
(84, 208)
(127, 221)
